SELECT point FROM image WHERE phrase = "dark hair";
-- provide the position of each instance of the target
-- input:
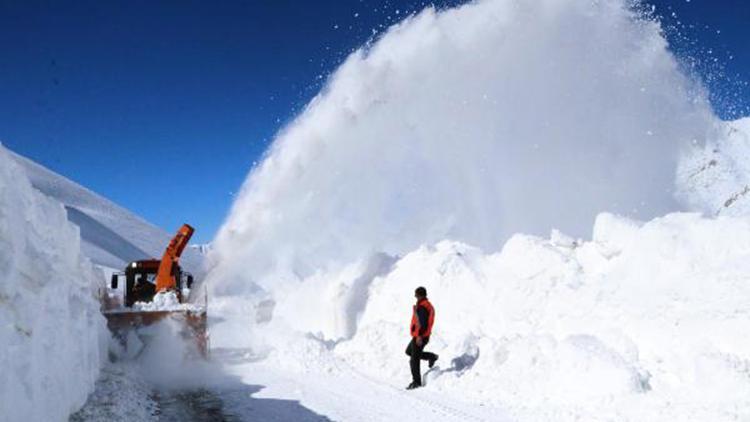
(421, 292)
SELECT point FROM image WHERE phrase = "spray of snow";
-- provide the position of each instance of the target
(471, 124)
(170, 358)
(52, 335)
(715, 178)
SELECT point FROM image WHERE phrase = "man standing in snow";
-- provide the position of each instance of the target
(422, 319)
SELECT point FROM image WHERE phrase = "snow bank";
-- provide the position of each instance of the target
(52, 335)
(644, 322)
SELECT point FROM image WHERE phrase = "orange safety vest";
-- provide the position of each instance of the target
(415, 327)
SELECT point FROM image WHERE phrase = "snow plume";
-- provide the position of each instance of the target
(471, 124)
(169, 359)
(715, 178)
(52, 335)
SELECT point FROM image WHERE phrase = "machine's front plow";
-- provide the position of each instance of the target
(135, 328)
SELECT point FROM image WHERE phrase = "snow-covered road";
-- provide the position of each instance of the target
(236, 387)
(350, 396)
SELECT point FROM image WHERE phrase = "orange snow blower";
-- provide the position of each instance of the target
(155, 290)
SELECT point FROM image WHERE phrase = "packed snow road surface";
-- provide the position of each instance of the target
(236, 387)
(348, 395)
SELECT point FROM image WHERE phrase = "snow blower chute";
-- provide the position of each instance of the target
(156, 290)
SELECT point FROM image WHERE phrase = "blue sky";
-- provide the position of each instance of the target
(163, 107)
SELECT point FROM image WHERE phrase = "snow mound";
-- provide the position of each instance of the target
(165, 301)
(644, 322)
(52, 335)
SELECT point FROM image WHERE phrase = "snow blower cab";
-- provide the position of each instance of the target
(153, 291)
(140, 281)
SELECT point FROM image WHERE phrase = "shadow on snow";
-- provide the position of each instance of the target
(123, 393)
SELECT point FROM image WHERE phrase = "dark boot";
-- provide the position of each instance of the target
(431, 360)
(413, 385)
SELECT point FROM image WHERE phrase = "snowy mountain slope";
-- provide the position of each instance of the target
(52, 335)
(111, 235)
(716, 178)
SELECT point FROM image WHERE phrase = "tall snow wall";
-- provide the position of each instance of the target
(472, 124)
(52, 334)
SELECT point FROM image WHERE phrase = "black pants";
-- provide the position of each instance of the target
(416, 353)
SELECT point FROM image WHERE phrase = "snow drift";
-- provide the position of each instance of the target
(52, 335)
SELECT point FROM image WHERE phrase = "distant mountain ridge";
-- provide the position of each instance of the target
(111, 236)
